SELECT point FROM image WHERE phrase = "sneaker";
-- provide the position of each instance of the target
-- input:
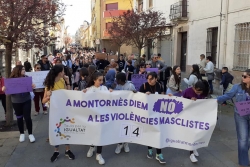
(22, 138)
(45, 112)
(32, 138)
(150, 154)
(36, 113)
(54, 156)
(196, 153)
(100, 159)
(192, 158)
(118, 148)
(126, 147)
(91, 152)
(69, 154)
(160, 158)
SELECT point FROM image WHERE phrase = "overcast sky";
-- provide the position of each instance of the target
(76, 14)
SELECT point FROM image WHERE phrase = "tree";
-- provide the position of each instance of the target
(24, 24)
(137, 27)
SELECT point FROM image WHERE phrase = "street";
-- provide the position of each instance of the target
(222, 150)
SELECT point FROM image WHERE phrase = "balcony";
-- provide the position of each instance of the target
(106, 34)
(112, 13)
(178, 11)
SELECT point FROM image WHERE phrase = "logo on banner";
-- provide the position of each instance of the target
(168, 106)
(66, 127)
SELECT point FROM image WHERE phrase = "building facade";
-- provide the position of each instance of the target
(96, 23)
(217, 28)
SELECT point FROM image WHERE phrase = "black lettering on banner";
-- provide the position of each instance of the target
(131, 131)
(136, 132)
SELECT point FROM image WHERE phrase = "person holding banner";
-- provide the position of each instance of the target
(122, 84)
(174, 82)
(200, 90)
(21, 103)
(152, 86)
(39, 95)
(95, 84)
(56, 80)
(241, 92)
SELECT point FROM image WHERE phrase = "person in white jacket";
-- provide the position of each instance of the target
(94, 85)
(194, 77)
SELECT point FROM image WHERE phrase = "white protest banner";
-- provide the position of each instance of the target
(38, 78)
(104, 118)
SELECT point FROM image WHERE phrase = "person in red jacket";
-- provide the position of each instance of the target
(2, 94)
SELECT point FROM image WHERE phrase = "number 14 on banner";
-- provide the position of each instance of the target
(131, 131)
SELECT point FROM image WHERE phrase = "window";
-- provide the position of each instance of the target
(242, 47)
(108, 25)
(140, 5)
(211, 48)
(112, 6)
(150, 3)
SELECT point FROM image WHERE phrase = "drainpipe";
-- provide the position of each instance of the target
(220, 34)
(225, 33)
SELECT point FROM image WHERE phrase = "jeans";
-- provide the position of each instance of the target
(210, 82)
(3, 99)
(242, 129)
(23, 110)
(39, 96)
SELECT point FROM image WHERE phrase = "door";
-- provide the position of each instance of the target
(166, 50)
(183, 51)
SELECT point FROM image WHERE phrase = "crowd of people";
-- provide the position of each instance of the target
(83, 71)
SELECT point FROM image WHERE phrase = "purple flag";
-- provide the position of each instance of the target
(18, 85)
(243, 107)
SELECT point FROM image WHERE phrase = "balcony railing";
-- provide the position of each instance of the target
(106, 34)
(178, 11)
(113, 13)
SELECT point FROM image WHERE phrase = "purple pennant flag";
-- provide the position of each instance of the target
(243, 107)
(152, 70)
(18, 85)
(138, 80)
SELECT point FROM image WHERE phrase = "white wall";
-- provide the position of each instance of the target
(204, 15)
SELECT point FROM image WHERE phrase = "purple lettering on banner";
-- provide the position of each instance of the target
(90, 118)
(113, 116)
(138, 80)
(108, 103)
(76, 103)
(102, 118)
(243, 107)
(201, 125)
(84, 104)
(151, 121)
(161, 120)
(131, 103)
(168, 106)
(107, 118)
(126, 117)
(121, 116)
(18, 85)
(68, 103)
(152, 70)
(132, 116)
(96, 118)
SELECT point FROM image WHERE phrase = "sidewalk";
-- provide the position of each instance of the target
(222, 150)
